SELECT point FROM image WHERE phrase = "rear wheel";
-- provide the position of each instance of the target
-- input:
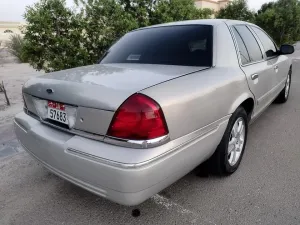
(284, 94)
(229, 153)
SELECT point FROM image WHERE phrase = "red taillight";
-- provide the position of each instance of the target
(138, 118)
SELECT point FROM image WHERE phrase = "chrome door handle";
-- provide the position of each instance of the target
(276, 67)
(254, 76)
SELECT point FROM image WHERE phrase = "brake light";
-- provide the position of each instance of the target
(138, 118)
(24, 102)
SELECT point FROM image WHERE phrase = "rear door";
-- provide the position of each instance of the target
(260, 73)
(280, 63)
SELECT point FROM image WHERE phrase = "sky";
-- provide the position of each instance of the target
(13, 10)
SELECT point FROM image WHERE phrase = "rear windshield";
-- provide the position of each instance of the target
(189, 45)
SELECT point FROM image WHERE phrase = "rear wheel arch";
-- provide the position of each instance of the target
(219, 162)
(248, 105)
(245, 100)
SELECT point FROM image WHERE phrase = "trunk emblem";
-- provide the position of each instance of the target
(49, 91)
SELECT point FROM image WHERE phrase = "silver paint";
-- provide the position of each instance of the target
(126, 176)
(197, 104)
(102, 86)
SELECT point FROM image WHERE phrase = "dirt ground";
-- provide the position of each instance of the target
(14, 76)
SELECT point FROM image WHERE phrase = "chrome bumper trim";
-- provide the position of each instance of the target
(142, 164)
(142, 144)
(195, 136)
(137, 144)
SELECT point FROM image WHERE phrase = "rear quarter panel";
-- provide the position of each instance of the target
(197, 100)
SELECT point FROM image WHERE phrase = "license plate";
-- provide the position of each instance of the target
(57, 112)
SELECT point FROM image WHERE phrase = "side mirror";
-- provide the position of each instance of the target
(287, 49)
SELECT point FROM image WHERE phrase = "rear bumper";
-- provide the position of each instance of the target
(98, 167)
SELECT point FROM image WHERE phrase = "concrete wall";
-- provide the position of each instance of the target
(215, 5)
(222, 4)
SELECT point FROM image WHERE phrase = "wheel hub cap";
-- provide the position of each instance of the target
(236, 141)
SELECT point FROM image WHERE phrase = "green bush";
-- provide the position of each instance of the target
(237, 10)
(281, 19)
(15, 46)
(60, 38)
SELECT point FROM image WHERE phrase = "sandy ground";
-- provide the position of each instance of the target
(14, 76)
(6, 57)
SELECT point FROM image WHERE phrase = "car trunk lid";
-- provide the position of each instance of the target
(102, 86)
(95, 92)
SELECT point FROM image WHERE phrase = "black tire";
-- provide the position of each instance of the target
(219, 162)
(282, 98)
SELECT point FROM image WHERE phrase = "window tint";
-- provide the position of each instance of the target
(268, 44)
(171, 45)
(252, 46)
(242, 48)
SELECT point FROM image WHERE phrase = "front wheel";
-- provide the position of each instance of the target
(229, 153)
(284, 94)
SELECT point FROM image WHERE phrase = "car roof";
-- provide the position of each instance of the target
(213, 22)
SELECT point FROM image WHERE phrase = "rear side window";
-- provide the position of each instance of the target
(245, 58)
(189, 45)
(268, 44)
(250, 42)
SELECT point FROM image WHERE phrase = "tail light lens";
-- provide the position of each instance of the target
(24, 102)
(138, 118)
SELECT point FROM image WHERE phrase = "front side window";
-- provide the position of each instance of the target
(189, 45)
(268, 44)
(250, 42)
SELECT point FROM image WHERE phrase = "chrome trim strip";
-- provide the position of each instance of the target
(238, 51)
(97, 137)
(135, 165)
(137, 144)
(107, 139)
(196, 135)
(143, 144)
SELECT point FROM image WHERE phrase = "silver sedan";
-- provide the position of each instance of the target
(162, 100)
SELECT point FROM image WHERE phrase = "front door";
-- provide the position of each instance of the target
(280, 63)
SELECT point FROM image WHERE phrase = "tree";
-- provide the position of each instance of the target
(150, 12)
(141, 10)
(265, 7)
(177, 10)
(53, 36)
(59, 38)
(15, 46)
(236, 10)
(281, 20)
